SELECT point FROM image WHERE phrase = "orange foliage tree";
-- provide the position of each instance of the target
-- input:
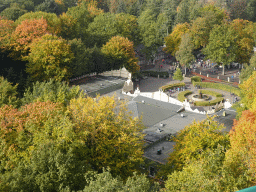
(24, 35)
(6, 29)
(243, 144)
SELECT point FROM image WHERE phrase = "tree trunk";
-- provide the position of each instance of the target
(223, 70)
(185, 70)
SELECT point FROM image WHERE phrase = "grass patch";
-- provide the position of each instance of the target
(182, 95)
(208, 103)
(220, 86)
(213, 93)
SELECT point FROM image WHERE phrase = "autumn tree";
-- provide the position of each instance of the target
(39, 148)
(185, 53)
(196, 138)
(24, 35)
(222, 46)
(241, 156)
(237, 9)
(66, 27)
(49, 57)
(119, 53)
(173, 40)
(200, 32)
(51, 19)
(46, 146)
(209, 173)
(248, 91)
(244, 38)
(6, 29)
(113, 136)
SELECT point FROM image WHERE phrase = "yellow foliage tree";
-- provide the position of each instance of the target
(112, 135)
(174, 39)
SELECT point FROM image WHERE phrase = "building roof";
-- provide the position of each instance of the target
(152, 111)
(162, 119)
(166, 148)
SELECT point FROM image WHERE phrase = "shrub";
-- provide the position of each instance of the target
(182, 95)
(156, 73)
(213, 93)
(209, 103)
(171, 86)
(195, 79)
(220, 86)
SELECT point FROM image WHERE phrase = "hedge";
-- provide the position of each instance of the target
(182, 95)
(156, 73)
(213, 93)
(208, 103)
(195, 79)
(171, 86)
(220, 86)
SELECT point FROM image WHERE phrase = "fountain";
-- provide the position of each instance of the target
(200, 97)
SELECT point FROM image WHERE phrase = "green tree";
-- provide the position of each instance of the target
(83, 18)
(8, 93)
(49, 6)
(120, 53)
(185, 53)
(178, 75)
(107, 25)
(251, 10)
(222, 47)
(169, 8)
(53, 91)
(13, 13)
(82, 63)
(49, 57)
(148, 27)
(183, 12)
(106, 182)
